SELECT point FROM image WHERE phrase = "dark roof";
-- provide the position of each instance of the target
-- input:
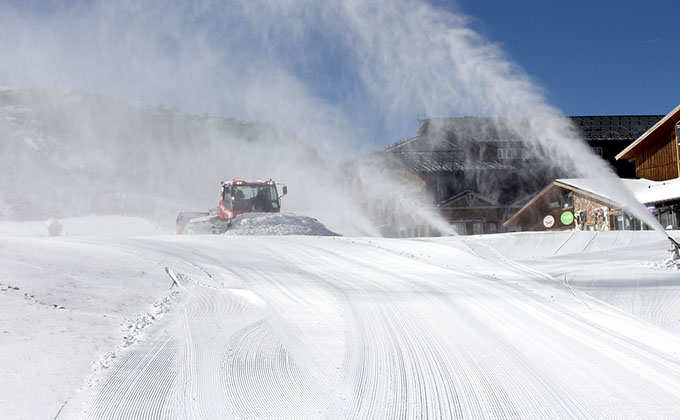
(614, 127)
(443, 161)
(441, 142)
(480, 129)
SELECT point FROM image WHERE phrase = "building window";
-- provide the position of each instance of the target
(507, 154)
(477, 229)
(568, 200)
(597, 151)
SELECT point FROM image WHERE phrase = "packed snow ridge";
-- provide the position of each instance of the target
(276, 224)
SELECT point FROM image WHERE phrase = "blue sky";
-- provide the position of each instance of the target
(600, 57)
(344, 69)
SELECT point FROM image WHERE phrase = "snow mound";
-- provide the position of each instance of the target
(264, 224)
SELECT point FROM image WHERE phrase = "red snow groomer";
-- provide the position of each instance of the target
(236, 197)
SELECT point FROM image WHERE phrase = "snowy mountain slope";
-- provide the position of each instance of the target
(91, 225)
(68, 153)
(330, 327)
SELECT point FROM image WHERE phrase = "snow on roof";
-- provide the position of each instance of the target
(644, 190)
(647, 191)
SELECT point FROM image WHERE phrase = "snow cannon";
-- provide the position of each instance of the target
(675, 249)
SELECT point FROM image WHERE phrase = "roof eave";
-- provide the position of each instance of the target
(627, 153)
(511, 220)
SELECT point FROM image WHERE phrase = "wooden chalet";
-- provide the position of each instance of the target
(655, 152)
(584, 204)
(566, 204)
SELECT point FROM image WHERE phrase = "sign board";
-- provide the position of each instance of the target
(567, 218)
(651, 208)
(549, 221)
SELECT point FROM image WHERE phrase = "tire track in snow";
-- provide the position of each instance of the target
(290, 336)
(416, 353)
(417, 365)
(618, 372)
(264, 380)
(413, 357)
(415, 338)
(578, 406)
(123, 395)
(610, 355)
(178, 373)
(208, 322)
(424, 386)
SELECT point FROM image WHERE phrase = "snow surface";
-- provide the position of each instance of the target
(522, 326)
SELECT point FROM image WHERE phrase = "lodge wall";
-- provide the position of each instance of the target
(659, 161)
(553, 203)
(591, 214)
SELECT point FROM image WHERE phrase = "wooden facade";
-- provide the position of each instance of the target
(585, 211)
(655, 153)
(659, 160)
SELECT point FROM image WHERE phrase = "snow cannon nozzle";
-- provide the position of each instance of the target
(674, 242)
(675, 250)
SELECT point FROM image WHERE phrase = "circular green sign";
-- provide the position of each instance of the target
(567, 218)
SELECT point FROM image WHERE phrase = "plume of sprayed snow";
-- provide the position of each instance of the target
(432, 57)
(180, 54)
(558, 139)
(335, 75)
(394, 198)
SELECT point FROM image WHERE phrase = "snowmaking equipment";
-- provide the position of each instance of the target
(675, 249)
(236, 197)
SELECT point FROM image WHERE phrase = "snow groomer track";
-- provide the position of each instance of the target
(345, 328)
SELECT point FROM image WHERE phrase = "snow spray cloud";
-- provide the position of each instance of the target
(432, 58)
(206, 57)
(247, 60)
(332, 74)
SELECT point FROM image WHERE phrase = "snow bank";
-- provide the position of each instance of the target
(530, 245)
(275, 224)
(296, 327)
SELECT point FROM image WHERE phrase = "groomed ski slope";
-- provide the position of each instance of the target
(496, 327)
